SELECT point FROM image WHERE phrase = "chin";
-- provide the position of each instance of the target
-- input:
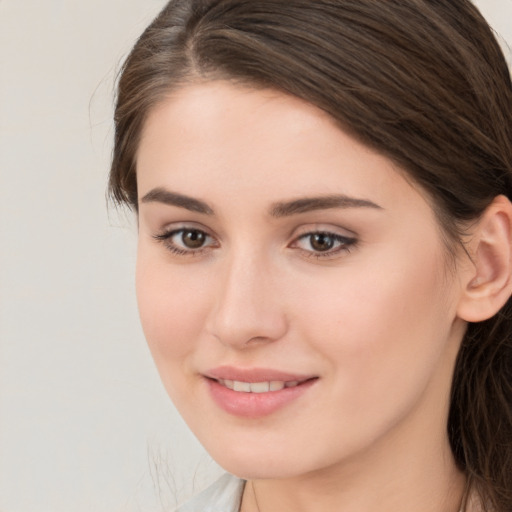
(262, 469)
(271, 461)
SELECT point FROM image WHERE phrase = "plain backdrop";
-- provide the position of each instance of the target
(85, 425)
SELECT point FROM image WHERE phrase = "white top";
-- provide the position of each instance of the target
(224, 495)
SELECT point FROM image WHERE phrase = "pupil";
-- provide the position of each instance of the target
(193, 239)
(322, 242)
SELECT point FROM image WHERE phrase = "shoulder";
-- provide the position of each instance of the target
(224, 495)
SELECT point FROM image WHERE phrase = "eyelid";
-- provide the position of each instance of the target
(318, 227)
(171, 227)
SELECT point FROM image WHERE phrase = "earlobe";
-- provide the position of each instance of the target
(487, 284)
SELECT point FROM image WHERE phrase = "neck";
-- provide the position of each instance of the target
(423, 482)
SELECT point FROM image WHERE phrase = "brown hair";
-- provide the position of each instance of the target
(424, 82)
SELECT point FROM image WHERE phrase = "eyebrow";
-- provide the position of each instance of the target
(309, 204)
(161, 195)
(277, 210)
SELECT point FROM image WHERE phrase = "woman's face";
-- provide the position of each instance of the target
(293, 286)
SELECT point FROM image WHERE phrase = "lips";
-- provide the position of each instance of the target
(255, 392)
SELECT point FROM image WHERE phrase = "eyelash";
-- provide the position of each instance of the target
(345, 244)
(166, 239)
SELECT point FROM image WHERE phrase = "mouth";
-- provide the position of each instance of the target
(254, 393)
(259, 387)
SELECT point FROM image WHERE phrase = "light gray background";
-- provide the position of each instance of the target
(84, 423)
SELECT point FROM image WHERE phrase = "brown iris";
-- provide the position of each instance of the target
(193, 239)
(321, 242)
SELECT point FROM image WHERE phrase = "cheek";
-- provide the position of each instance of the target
(170, 308)
(382, 325)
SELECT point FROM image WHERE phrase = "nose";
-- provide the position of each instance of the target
(248, 307)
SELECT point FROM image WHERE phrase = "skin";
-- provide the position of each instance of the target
(376, 321)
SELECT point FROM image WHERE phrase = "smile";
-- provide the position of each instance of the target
(256, 393)
(257, 387)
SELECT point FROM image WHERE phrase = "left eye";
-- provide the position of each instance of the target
(323, 242)
(185, 240)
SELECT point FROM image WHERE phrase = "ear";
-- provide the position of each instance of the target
(487, 282)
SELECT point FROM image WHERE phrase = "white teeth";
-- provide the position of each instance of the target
(242, 386)
(276, 385)
(258, 387)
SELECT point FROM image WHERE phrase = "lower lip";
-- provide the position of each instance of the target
(255, 405)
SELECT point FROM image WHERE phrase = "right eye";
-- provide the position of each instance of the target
(186, 241)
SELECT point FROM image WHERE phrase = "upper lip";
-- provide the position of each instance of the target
(254, 374)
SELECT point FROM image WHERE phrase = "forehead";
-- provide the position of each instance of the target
(224, 141)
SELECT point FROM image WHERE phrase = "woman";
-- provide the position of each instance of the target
(324, 260)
